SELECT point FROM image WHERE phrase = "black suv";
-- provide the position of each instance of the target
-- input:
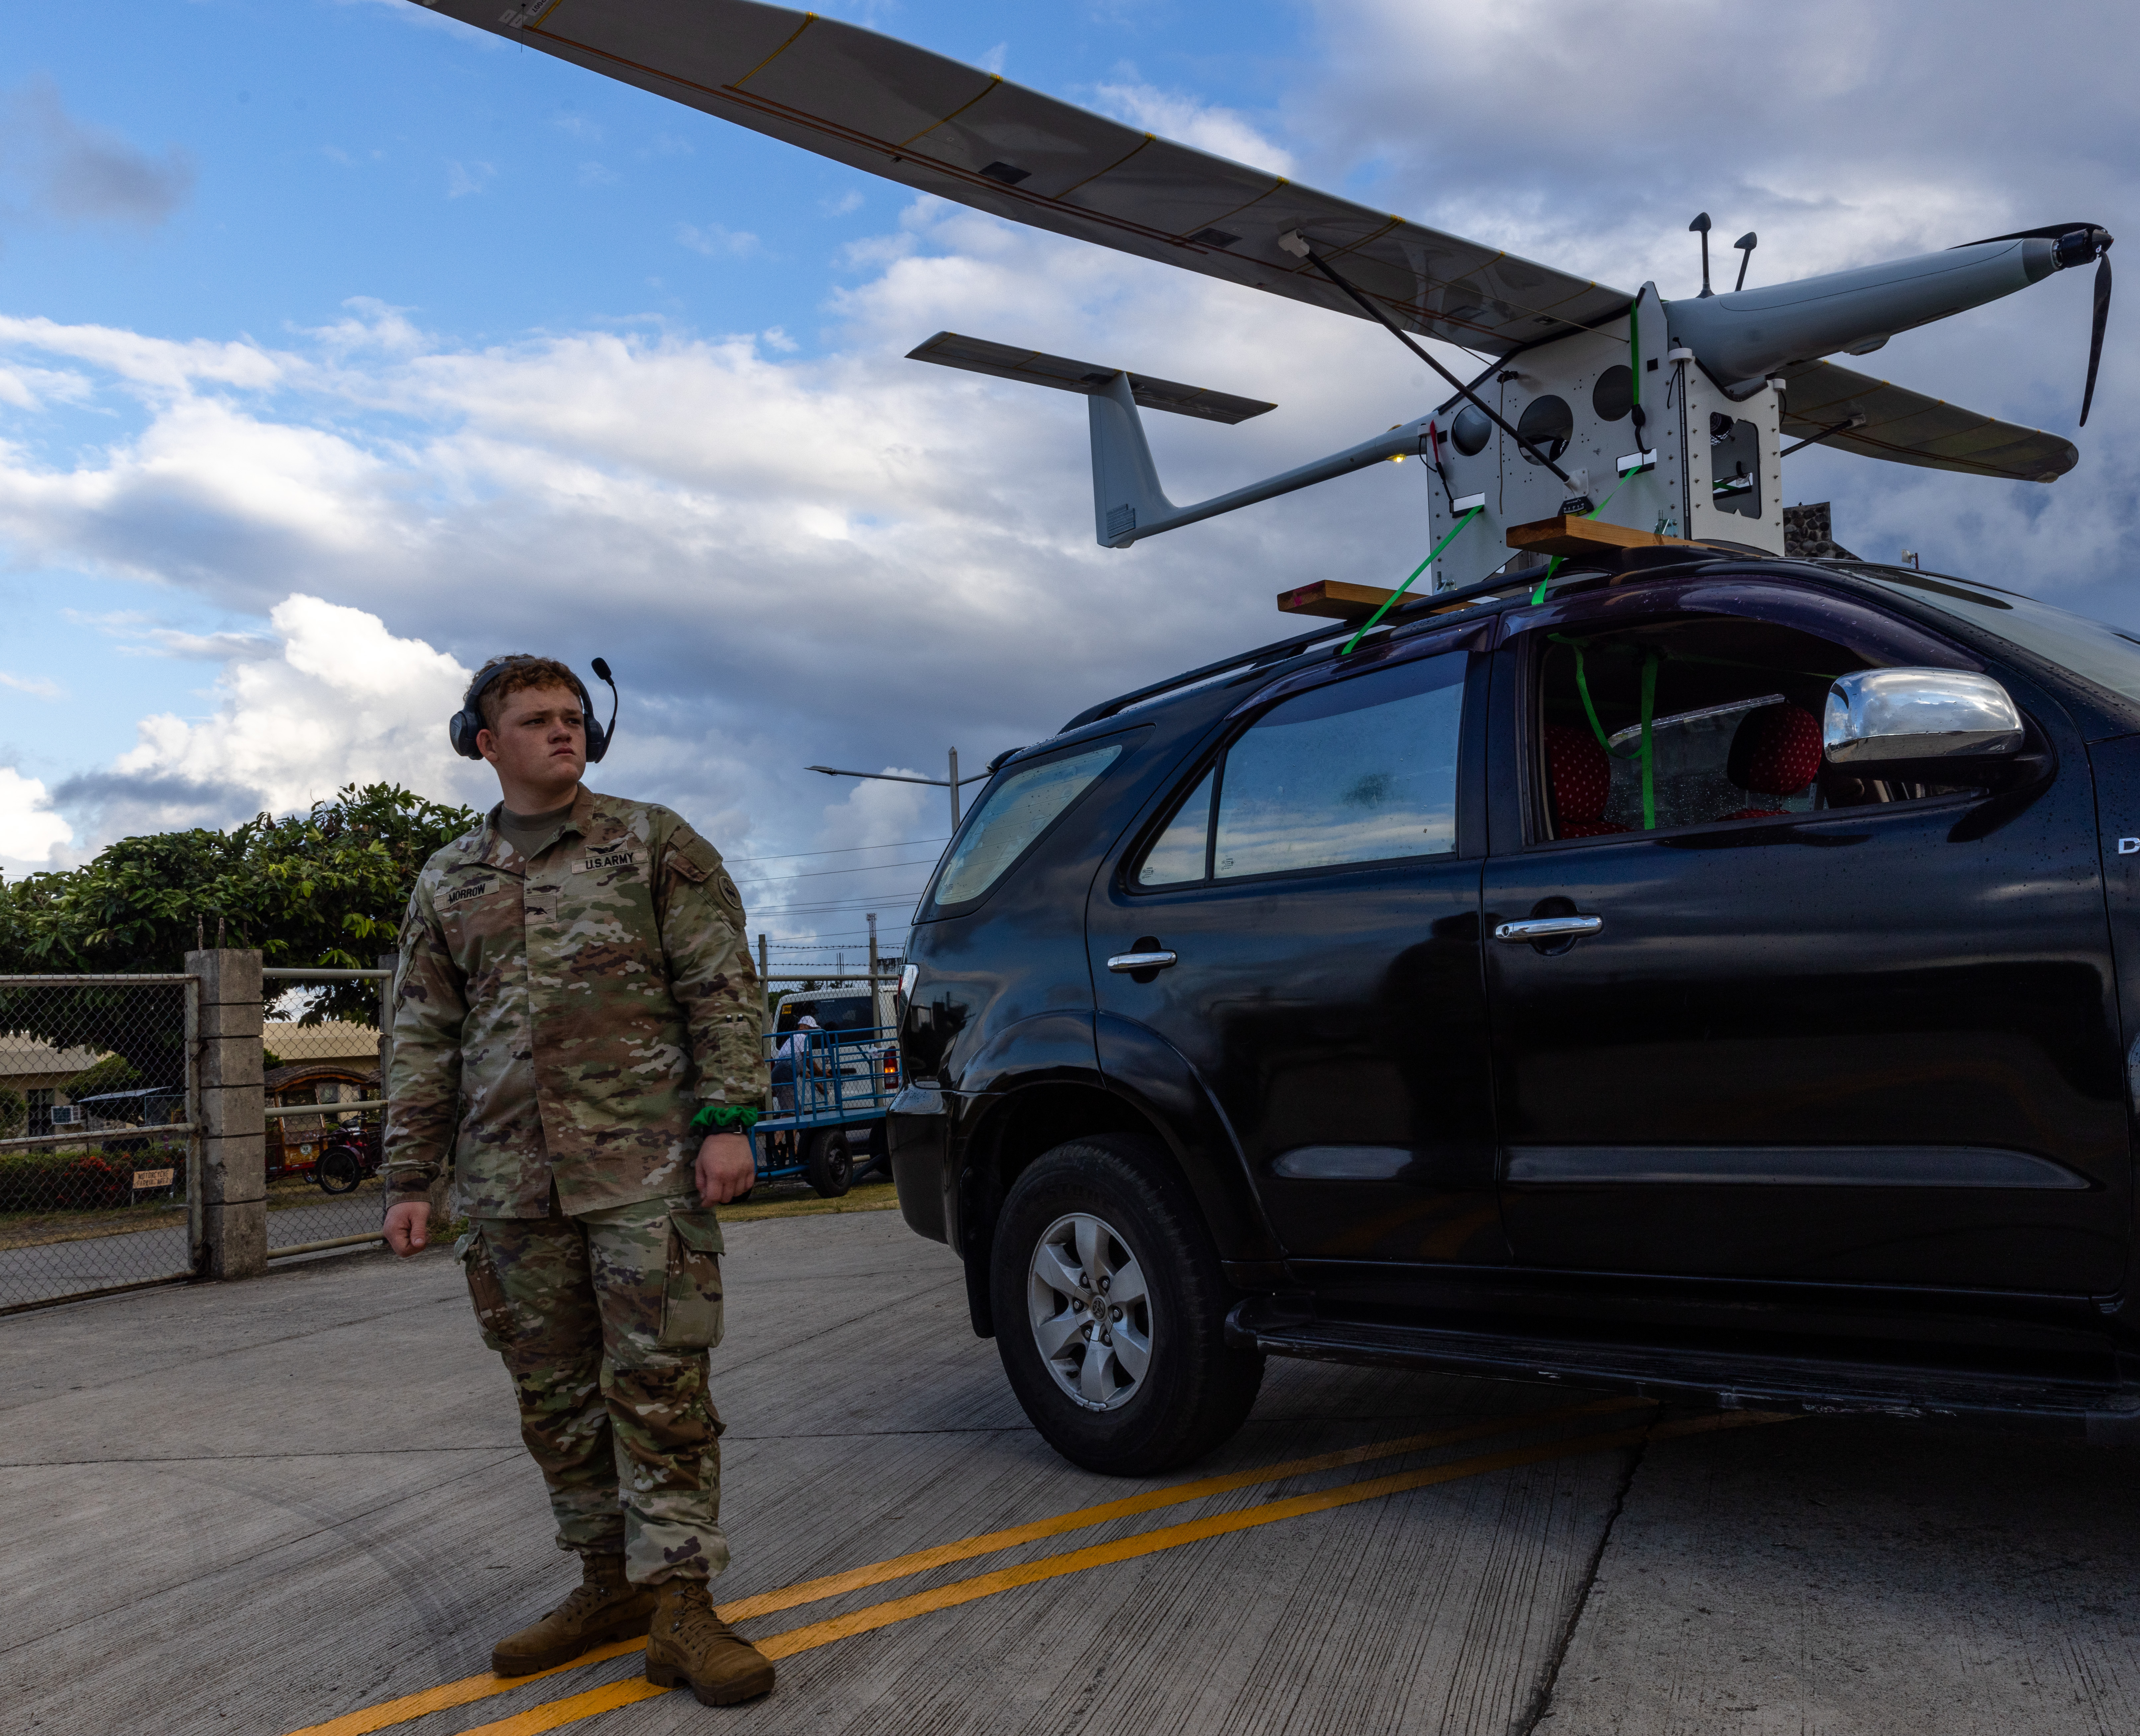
(1710, 979)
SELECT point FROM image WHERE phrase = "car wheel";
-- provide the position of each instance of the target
(337, 1172)
(831, 1168)
(1110, 1311)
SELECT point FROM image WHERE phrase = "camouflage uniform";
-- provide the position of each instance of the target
(558, 1019)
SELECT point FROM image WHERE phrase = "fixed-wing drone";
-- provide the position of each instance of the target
(1602, 417)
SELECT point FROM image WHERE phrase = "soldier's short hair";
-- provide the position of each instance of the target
(525, 670)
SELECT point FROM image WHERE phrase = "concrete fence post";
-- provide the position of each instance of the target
(234, 1138)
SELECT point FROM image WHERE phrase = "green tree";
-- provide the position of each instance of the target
(324, 888)
(113, 1073)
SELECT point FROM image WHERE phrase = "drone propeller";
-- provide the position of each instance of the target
(2101, 320)
(2075, 244)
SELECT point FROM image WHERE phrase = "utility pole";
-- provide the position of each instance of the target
(951, 783)
(870, 919)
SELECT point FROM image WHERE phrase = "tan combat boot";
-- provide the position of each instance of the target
(605, 1605)
(689, 1643)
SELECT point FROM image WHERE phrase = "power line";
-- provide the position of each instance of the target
(812, 874)
(792, 855)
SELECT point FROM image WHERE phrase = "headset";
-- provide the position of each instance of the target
(465, 724)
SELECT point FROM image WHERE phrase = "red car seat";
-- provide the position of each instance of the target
(1581, 773)
(1776, 751)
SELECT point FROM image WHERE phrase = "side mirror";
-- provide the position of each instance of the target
(1920, 721)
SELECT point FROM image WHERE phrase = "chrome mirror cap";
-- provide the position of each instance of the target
(1876, 715)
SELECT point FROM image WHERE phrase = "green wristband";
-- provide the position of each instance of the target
(723, 1118)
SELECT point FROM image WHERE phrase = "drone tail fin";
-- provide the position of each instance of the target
(1126, 490)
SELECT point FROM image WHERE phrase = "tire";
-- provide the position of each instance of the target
(830, 1169)
(337, 1171)
(1115, 1197)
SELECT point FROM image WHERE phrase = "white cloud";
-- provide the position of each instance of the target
(32, 837)
(38, 687)
(463, 178)
(715, 242)
(330, 698)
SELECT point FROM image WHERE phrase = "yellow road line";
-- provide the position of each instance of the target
(470, 1688)
(448, 1694)
(988, 1543)
(555, 1714)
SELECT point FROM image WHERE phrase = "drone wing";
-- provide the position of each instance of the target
(1911, 429)
(930, 123)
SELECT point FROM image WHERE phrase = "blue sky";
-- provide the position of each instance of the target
(341, 345)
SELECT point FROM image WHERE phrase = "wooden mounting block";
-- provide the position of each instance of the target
(1566, 535)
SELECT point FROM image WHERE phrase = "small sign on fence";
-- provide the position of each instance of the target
(145, 1179)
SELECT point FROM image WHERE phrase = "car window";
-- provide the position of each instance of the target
(834, 1013)
(1733, 709)
(1180, 852)
(1012, 815)
(1358, 770)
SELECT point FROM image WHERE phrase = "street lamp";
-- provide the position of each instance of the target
(951, 783)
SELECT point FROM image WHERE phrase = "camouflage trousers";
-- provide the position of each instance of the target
(604, 1321)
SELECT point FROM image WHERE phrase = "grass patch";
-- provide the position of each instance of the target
(794, 1199)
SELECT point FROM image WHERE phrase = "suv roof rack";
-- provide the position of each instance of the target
(1416, 609)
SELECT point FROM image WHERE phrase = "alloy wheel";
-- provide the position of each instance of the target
(1090, 1311)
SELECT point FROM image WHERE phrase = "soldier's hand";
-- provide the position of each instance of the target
(724, 1169)
(408, 1226)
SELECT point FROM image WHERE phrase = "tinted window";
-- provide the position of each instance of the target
(1180, 852)
(1360, 770)
(1012, 815)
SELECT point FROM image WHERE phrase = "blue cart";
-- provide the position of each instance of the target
(827, 1120)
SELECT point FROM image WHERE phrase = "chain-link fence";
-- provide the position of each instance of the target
(324, 1080)
(99, 1112)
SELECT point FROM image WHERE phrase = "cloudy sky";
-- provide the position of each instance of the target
(341, 347)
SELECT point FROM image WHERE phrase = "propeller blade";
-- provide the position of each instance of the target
(2101, 320)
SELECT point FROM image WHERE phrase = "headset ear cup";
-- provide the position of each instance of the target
(462, 730)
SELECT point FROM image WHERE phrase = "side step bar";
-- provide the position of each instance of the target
(2105, 1413)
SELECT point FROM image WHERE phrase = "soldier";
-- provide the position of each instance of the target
(576, 1018)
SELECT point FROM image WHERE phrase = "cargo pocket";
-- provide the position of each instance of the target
(691, 1301)
(493, 1313)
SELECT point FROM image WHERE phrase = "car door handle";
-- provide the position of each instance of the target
(1142, 961)
(1536, 929)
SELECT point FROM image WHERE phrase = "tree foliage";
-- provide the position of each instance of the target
(325, 889)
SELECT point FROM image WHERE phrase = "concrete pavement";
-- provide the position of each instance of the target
(264, 1506)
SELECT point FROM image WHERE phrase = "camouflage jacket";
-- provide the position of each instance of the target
(561, 1017)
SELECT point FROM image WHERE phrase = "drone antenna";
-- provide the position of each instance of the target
(1700, 227)
(1745, 243)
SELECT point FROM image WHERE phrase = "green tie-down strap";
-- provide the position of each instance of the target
(1390, 602)
(723, 1118)
(1644, 750)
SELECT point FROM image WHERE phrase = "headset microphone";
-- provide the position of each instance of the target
(467, 724)
(600, 738)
